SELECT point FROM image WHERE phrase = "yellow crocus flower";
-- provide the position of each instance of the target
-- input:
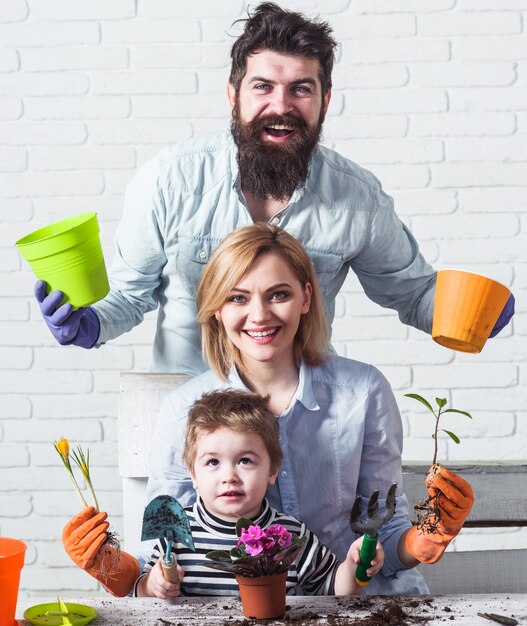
(63, 447)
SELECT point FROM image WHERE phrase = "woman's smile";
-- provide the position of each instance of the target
(263, 336)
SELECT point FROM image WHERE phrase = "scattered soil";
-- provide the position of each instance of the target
(391, 614)
(383, 611)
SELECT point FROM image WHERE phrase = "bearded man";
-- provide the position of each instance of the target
(269, 167)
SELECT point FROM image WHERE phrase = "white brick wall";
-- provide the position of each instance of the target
(431, 95)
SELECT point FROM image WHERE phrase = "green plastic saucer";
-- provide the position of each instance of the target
(41, 614)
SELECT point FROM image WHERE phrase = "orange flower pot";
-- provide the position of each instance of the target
(263, 597)
(12, 552)
(466, 308)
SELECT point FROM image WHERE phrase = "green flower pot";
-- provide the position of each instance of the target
(68, 256)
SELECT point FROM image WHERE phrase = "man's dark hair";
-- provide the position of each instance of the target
(270, 27)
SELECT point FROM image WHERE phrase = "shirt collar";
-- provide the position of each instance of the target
(220, 526)
(305, 393)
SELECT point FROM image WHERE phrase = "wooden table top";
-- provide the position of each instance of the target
(460, 610)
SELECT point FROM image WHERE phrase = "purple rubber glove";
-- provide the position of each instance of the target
(80, 328)
(505, 316)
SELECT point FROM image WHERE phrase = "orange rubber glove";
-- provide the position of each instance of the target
(83, 538)
(454, 499)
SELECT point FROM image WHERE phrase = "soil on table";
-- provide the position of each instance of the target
(383, 611)
(392, 613)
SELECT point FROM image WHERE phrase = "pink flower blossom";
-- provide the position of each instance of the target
(282, 536)
(253, 539)
(259, 552)
(254, 547)
(270, 541)
(254, 533)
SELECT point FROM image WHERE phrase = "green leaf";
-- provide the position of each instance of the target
(420, 399)
(441, 402)
(218, 555)
(242, 523)
(237, 553)
(452, 436)
(288, 555)
(225, 567)
(457, 411)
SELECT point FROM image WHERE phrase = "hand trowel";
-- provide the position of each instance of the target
(165, 517)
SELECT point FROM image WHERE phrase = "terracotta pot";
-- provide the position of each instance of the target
(263, 597)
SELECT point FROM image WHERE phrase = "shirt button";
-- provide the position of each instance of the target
(202, 255)
(275, 221)
(284, 473)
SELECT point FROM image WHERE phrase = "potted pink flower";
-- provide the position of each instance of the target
(260, 561)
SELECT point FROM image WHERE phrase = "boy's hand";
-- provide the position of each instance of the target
(345, 581)
(154, 584)
(376, 563)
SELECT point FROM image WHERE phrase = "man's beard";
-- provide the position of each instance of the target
(274, 169)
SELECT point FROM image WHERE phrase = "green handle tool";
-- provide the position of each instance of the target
(367, 553)
(370, 529)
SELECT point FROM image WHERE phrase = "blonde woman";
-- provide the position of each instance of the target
(264, 331)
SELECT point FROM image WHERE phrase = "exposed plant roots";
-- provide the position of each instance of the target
(427, 509)
(108, 557)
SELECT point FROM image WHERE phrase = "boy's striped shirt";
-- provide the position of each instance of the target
(314, 569)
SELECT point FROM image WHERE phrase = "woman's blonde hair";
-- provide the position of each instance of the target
(230, 261)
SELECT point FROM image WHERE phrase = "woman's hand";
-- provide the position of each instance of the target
(154, 584)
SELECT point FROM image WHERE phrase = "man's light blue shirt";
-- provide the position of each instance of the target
(183, 202)
(341, 437)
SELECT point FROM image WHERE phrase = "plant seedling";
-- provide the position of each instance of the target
(427, 510)
(441, 403)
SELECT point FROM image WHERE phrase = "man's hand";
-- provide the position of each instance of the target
(454, 498)
(154, 585)
(505, 316)
(78, 328)
(84, 538)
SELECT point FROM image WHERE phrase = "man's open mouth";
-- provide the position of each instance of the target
(279, 130)
(231, 494)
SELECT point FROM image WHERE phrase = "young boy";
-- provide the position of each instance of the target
(233, 453)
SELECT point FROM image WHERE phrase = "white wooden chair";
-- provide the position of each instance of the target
(140, 398)
(500, 492)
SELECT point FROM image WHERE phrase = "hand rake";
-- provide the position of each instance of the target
(370, 529)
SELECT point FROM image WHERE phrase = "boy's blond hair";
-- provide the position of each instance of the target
(236, 410)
